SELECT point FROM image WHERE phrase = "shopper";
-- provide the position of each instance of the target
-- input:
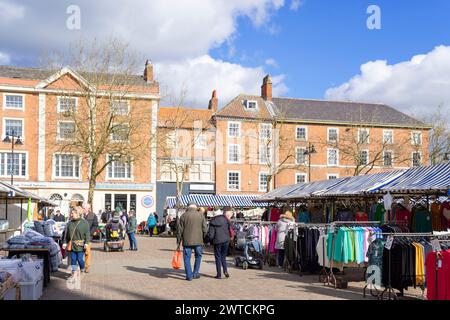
(106, 215)
(79, 236)
(124, 217)
(191, 231)
(151, 223)
(58, 217)
(219, 236)
(92, 220)
(131, 230)
(283, 224)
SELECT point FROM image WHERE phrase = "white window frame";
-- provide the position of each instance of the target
(13, 94)
(332, 175)
(269, 156)
(58, 103)
(305, 163)
(392, 135)
(298, 174)
(328, 134)
(128, 107)
(8, 152)
(412, 138)
(269, 128)
(392, 158)
(228, 129)
(259, 181)
(368, 157)
(228, 180)
(55, 177)
(210, 172)
(412, 159)
(201, 143)
(248, 102)
(107, 178)
(22, 137)
(238, 150)
(119, 141)
(368, 135)
(296, 133)
(58, 137)
(199, 173)
(328, 157)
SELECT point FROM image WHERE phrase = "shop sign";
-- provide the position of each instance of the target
(202, 187)
(147, 201)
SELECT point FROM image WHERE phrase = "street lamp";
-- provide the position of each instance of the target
(309, 151)
(10, 139)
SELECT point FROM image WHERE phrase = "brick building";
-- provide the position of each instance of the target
(34, 106)
(264, 142)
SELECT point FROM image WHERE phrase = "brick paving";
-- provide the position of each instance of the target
(147, 274)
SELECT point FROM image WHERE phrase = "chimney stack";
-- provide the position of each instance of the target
(214, 102)
(266, 88)
(148, 72)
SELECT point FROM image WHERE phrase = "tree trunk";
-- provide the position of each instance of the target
(269, 182)
(92, 184)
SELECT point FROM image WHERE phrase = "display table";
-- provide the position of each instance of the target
(42, 253)
(8, 285)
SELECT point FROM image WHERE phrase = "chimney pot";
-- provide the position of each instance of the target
(214, 102)
(148, 71)
(266, 88)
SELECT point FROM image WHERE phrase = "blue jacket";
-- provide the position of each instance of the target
(151, 221)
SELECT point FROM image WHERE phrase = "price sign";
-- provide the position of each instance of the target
(389, 242)
(436, 245)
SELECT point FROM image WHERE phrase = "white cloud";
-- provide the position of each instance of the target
(4, 58)
(10, 11)
(177, 35)
(416, 86)
(198, 77)
(295, 5)
(271, 62)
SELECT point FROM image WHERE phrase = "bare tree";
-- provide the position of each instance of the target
(178, 135)
(439, 139)
(105, 120)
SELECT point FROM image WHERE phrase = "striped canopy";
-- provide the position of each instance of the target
(209, 200)
(309, 189)
(359, 185)
(279, 192)
(420, 180)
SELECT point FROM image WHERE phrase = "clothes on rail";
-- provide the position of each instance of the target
(445, 215)
(275, 214)
(438, 275)
(421, 219)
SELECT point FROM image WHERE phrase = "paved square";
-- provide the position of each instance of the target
(147, 274)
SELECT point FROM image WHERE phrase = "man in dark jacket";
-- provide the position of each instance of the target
(191, 231)
(58, 217)
(219, 236)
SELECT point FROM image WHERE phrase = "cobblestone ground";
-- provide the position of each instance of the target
(147, 274)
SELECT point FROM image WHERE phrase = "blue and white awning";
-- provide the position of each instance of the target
(279, 192)
(359, 185)
(209, 200)
(422, 179)
(308, 189)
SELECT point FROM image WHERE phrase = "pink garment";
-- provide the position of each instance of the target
(273, 240)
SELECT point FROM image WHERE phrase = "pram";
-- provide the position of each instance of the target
(253, 256)
(115, 239)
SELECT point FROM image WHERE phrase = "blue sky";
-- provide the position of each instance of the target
(324, 42)
(322, 49)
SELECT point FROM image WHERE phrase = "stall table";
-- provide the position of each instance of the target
(42, 253)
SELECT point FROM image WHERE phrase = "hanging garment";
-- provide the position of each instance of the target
(438, 275)
(379, 213)
(421, 221)
(361, 216)
(403, 215)
(303, 217)
(275, 214)
(445, 215)
(436, 213)
(375, 254)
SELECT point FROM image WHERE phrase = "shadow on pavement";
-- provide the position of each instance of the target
(161, 273)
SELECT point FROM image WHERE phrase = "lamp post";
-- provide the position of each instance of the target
(9, 138)
(309, 151)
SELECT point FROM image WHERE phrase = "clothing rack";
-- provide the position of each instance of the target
(330, 278)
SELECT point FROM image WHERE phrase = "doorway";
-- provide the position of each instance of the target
(120, 200)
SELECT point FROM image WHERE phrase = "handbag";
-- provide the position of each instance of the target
(176, 259)
(69, 244)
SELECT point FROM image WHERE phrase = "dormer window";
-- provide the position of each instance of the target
(251, 104)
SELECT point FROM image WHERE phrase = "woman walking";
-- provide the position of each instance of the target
(283, 224)
(131, 230)
(77, 239)
(151, 223)
(219, 236)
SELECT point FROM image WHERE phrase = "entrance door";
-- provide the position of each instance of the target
(120, 200)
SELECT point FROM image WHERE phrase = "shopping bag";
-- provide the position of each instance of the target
(155, 231)
(176, 259)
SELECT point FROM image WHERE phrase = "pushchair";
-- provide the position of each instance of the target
(253, 256)
(115, 239)
(98, 234)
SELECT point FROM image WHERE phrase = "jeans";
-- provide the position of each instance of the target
(187, 252)
(133, 242)
(151, 230)
(220, 254)
(77, 257)
(280, 257)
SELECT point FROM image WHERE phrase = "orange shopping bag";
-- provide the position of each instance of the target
(176, 259)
